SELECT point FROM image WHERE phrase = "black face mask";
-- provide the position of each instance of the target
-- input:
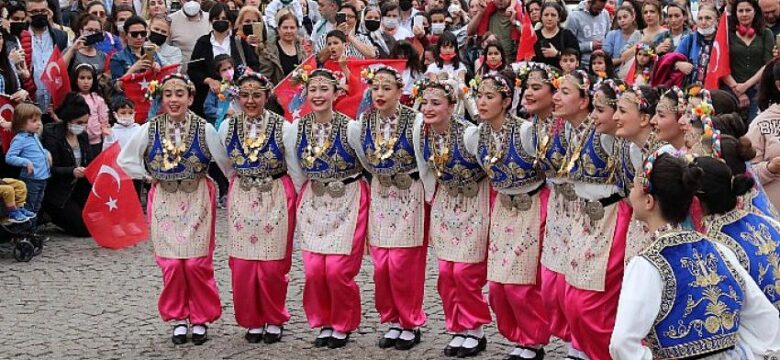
(18, 27)
(39, 21)
(157, 38)
(220, 25)
(372, 25)
(405, 5)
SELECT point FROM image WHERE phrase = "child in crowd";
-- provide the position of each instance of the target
(446, 60)
(14, 194)
(124, 123)
(219, 105)
(493, 60)
(27, 152)
(84, 80)
(601, 65)
(570, 60)
(642, 71)
(429, 56)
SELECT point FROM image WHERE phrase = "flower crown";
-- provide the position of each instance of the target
(500, 83)
(265, 84)
(682, 103)
(425, 85)
(155, 88)
(618, 89)
(635, 95)
(701, 114)
(647, 166)
(693, 90)
(368, 74)
(646, 48)
(582, 84)
(551, 74)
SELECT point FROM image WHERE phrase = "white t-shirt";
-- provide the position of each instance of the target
(452, 71)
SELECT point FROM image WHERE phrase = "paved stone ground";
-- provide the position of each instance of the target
(80, 301)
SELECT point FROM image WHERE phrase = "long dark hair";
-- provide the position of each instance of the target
(74, 77)
(500, 50)
(673, 185)
(768, 93)
(404, 50)
(758, 16)
(6, 70)
(720, 187)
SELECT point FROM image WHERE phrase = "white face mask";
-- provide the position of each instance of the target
(707, 31)
(390, 23)
(191, 8)
(438, 28)
(76, 129)
(124, 120)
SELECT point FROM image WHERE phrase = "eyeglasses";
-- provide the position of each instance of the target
(39, 12)
(137, 34)
(98, 13)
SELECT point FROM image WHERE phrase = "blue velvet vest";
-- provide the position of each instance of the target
(461, 168)
(759, 201)
(269, 159)
(402, 160)
(701, 300)
(553, 144)
(625, 172)
(516, 167)
(338, 161)
(754, 239)
(593, 164)
(193, 163)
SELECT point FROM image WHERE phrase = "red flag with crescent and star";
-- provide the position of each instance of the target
(113, 213)
(525, 49)
(135, 86)
(290, 96)
(55, 77)
(7, 114)
(720, 64)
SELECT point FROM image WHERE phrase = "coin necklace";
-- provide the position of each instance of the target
(312, 153)
(173, 143)
(385, 137)
(255, 138)
(440, 150)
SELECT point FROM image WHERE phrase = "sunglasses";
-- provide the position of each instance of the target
(137, 34)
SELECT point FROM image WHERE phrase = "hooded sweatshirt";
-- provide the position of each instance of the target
(587, 28)
(764, 134)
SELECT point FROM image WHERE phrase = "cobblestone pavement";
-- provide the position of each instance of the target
(80, 301)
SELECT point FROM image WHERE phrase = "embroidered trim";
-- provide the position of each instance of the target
(516, 173)
(404, 129)
(338, 167)
(267, 163)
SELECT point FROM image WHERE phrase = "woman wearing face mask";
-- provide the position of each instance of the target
(68, 144)
(697, 47)
(262, 196)
(159, 28)
(111, 43)
(221, 40)
(552, 37)
(370, 26)
(358, 46)
(280, 55)
(391, 21)
(183, 240)
(460, 216)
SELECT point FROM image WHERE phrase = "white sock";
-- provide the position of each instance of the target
(325, 333)
(256, 331)
(517, 351)
(407, 335)
(180, 330)
(393, 332)
(457, 340)
(339, 335)
(528, 354)
(478, 333)
(198, 329)
(273, 329)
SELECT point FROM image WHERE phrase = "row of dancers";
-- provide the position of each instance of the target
(616, 218)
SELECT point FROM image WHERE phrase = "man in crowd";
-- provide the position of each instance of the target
(328, 10)
(590, 24)
(502, 21)
(771, 10)
(187, 25)
(40, 41)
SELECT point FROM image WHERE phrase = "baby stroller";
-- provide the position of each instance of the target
(25, 243)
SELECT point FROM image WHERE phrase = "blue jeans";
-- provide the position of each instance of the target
(35, 191)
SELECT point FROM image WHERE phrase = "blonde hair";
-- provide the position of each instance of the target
(242, 14)
(22, 114)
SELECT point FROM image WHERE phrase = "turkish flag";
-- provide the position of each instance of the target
(290, 96)
(7, 114)
(55, 77)
(720, 65)
(358, 98)
(525, 50)
(113, 213)
(135, 86)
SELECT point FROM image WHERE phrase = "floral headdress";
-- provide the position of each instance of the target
(646, 48)
(499, 83)
(618, 89)
(583, 82)
(634, 94)
(369, 74)
(427, 86)
(265, 84)
(551, 74)
(679, 96)
(647, 166)
(300, 76)
(701, 117)
(693, 91)
(155, 88)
